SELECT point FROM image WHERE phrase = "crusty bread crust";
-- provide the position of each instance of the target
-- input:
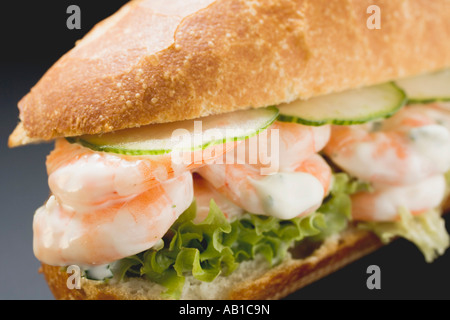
(152, 62)
(20, 137)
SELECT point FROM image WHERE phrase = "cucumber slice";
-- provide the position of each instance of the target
(346, 108)
(427, 88)
(188, 135)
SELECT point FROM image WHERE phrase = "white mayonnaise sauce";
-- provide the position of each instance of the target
(99, 272)
(288, 195)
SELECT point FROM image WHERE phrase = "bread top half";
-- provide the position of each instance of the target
(157, 61)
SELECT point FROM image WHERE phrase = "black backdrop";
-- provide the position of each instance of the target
(33, 36)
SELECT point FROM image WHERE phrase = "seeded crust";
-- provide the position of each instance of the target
(253, 280)
(155, 62)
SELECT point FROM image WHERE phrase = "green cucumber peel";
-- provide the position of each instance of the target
(427, 88)
(157, 139)
(346, 108)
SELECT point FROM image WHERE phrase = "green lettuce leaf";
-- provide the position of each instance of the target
(447, 178)
(272, 237)
(337, 207)
(427, 231)
(215, 247)
(190, 249)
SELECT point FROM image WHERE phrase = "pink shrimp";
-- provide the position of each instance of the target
(284, 195)
(439, 112)
(404, 158)
(204, 193)
(407, 148)
(442, 105)
(63, 236)
(99, 199)
(384, 204)
(82, 178)
(280, 148)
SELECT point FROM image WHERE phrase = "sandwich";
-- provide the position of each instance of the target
(240, 149)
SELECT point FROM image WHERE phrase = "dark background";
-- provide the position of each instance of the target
(33, 37)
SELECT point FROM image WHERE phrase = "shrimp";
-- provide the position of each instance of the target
(98, 198)
(295, 187)
(81, 178)
(384, 204)
(204, 193)
(420, 114)
(63, 236)
(405, 149)
(439, 112)
(284, 195)
(281, 147)
(105, 206)
(442, 105)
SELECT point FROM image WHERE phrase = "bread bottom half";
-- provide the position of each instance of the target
(253, 280)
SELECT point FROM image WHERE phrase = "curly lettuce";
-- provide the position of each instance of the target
(197, 249)
(447, 179)
(427, 231)
(215, 247)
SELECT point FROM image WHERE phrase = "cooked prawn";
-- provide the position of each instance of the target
(442, 105)
(82, 179)
(105, 206)
(384, 204)
(63, 236)
(407, 148)
(281, 147)
(439, 112)
(101, 198)
(284, 194)
(204, 193)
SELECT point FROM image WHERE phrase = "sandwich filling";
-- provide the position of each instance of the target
(147, 215)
